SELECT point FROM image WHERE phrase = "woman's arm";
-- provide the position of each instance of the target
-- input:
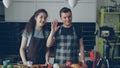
(22, 50)
(50, 40)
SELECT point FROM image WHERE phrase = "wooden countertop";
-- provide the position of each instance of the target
(34, 66)
(22, 66)
(44, 66)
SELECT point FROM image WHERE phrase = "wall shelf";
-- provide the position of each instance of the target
(112, 13)
(115, 25)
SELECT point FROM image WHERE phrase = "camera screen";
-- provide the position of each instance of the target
(105, 33)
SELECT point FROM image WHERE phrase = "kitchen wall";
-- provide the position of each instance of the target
(1, 8)
(85, 11)
(1, 11)
(21, 10)
(18, 13)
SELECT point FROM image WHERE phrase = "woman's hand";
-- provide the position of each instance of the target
(54, 26)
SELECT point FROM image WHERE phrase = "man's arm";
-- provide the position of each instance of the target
(50, 40)
(47, 56)
(82, 50)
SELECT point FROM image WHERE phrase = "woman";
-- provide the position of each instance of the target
(33, 44)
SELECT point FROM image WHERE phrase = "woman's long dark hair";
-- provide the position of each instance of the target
(32, 22)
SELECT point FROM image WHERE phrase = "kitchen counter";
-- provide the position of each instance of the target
(34, 66)
(44, 66)
(22, 66)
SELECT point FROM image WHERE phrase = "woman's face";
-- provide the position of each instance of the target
(41, 19)
(66, 18)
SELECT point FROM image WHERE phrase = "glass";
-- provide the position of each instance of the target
(6, 62)
(29, 63)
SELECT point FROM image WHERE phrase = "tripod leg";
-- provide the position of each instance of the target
(108, 64)
(99, 63)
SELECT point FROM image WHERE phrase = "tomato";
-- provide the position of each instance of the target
(50, 66)
(69, 63)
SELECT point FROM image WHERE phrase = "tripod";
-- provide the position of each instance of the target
(105, 62)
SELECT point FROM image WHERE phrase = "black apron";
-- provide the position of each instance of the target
(36, 50)
(66, 48)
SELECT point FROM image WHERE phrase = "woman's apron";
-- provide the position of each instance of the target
(36, 50)
(67, 47)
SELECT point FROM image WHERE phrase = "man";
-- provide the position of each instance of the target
(67, 41)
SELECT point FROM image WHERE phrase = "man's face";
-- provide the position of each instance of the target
(66, 18)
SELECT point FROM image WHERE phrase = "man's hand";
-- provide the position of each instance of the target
(83, 65)
(54, 26)
(47, 63)
(25, 63)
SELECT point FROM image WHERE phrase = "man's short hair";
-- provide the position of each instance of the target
(65, 10)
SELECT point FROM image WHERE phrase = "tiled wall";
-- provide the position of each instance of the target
(10, 36)
(88, 30)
